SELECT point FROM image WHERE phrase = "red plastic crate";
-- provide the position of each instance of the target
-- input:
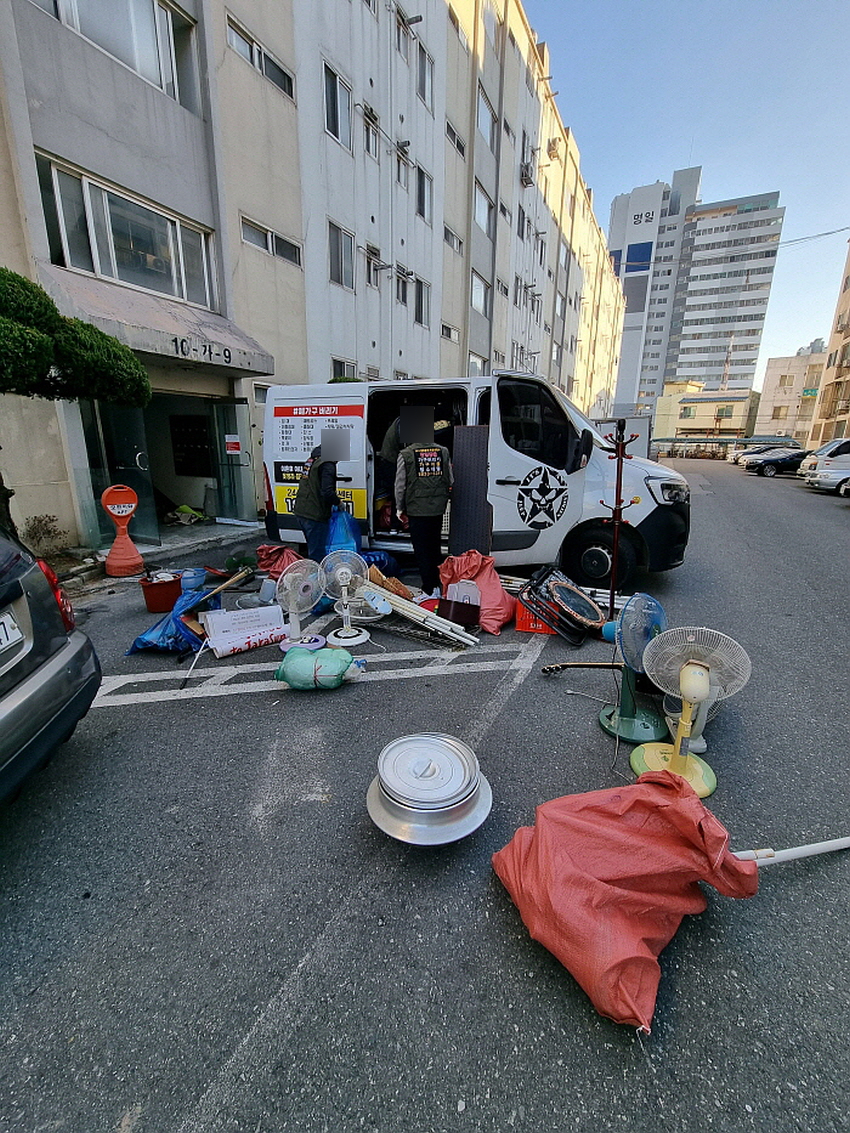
(528, 623)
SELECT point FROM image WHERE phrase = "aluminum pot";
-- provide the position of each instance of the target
(429, 790)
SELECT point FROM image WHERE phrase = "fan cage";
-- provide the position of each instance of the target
(290, 582)
(641, 620)
(664, 656)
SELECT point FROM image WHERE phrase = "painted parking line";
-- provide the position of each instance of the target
(243, 680)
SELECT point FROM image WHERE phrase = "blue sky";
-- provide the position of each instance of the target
(754, 91)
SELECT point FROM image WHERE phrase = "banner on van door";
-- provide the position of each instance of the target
(298, 431)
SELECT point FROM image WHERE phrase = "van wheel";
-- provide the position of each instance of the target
(588, 556)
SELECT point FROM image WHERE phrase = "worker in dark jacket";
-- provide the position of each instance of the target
(422, 487)
(315, 500)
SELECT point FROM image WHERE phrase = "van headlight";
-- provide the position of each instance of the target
(669, 491)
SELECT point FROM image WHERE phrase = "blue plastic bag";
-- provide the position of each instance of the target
(170, 633)
(343, 532)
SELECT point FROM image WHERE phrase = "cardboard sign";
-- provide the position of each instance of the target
(236, 631)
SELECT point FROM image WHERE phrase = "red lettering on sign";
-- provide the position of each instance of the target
(318, 411)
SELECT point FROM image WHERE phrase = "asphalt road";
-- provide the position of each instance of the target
(203, 932)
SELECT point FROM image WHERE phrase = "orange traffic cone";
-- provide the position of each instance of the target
(119, 503)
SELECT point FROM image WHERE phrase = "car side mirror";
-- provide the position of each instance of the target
(582, 452)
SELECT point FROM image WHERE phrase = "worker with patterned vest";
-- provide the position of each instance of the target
(422, 487)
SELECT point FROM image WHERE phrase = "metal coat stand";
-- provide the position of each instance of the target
(618, 453)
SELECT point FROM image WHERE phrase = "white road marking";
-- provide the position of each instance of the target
(229, 680)
(283, 778)
(516, 674)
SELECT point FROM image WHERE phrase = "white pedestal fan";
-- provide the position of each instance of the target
(341, 574)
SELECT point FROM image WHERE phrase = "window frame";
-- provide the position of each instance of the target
(99, 228)
(346, 279)
(424, 194)
(486, 292)
(425, 77)
(421, 302)
(481, 200)
(337, 122)
(271, 241)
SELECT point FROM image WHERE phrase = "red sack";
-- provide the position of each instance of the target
(604, 879)
(274, 560)
(497, 606)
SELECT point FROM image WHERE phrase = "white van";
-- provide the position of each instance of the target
(551, 475)
(839, 446)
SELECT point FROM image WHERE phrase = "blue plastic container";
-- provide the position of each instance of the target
(193, 578)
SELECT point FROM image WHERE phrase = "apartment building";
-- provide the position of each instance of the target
(688, 416)
(265, 191)
(697, 281)
(790, 392)
(832, 414)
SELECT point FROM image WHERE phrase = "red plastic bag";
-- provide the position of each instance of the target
(274, 560)
(604, 879)
(497, 606)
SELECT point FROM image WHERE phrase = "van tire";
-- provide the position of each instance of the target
(586, 558)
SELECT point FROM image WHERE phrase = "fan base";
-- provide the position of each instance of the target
(644, 726)
(346, 638)
(657, 757)
(308, 641)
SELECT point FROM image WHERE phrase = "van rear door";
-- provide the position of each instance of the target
(296, 425)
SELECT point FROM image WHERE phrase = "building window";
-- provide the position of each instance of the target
(337, 107)
(342, 370)
(246, 46)
(484, 211)
(518, 291)
(424, 194)
(455, 138)
(100, 231)
(780, 413)
(425, 78)
(151, 38)
(505, 211)
(450, 333)
(503, 289)
(722, 410)
(374, 265)
(477, 366)
(371, 138)
(402, 170)
(452, 239)
(557, 354)
(402, 34)
(520, 222)
(401, 277)
(461, 34)
(488, 123)
(422, 303)
(341, 246)
(687, 411)
(480, 295)
(560, 306)
(270, 242)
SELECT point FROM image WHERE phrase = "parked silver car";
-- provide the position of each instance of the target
(49, 671)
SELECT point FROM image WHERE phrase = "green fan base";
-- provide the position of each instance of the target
(642, 726)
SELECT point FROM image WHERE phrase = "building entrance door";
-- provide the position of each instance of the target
(116, 445)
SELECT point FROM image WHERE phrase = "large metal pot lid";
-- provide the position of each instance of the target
(428, 770)
(428, 826)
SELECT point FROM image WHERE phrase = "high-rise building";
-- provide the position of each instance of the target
(697, 280)
(283, 191)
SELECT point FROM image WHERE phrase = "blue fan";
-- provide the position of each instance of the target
(641, 619)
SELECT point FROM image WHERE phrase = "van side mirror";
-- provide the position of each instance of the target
(582, 451)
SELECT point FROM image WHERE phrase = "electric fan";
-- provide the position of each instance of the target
(299, 588)
(642, 618)
(342, 573)
(697, 664)
(707, 710)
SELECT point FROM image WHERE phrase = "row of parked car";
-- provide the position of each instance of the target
(826, 468)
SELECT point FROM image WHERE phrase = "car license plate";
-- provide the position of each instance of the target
(10, 632)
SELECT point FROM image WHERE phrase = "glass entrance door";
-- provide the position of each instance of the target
(234, 470)
(116, 444)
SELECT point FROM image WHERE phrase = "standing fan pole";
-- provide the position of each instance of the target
(618, 453)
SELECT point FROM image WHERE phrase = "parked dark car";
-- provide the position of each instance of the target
(49, 671)
(779, 460)
(741, 456)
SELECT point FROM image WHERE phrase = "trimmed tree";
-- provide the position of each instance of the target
(43, 354)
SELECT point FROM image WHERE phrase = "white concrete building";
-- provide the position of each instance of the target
(790, 393)
(697, 280)
(283, 191)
